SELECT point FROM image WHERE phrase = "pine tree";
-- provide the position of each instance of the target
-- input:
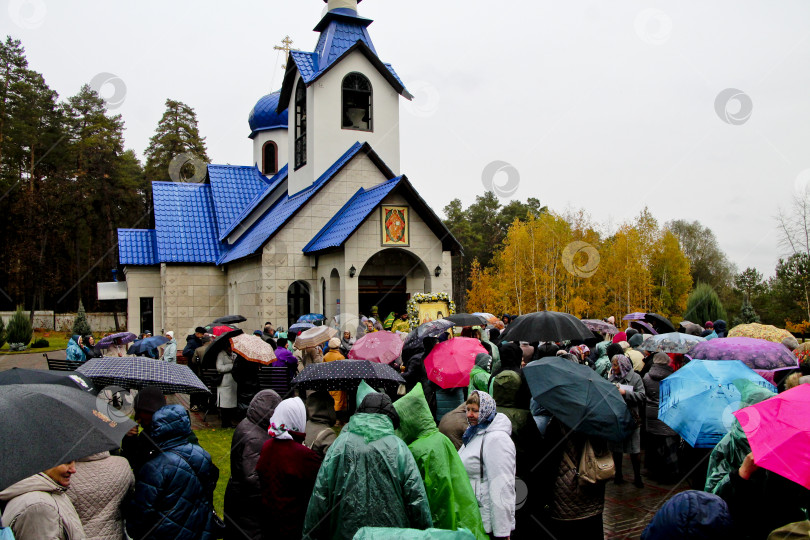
(176, 133)
(19, 328)
(704, 305)
(747, 314)
(80, 325)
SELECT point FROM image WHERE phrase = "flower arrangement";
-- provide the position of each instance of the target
(803, 356)
(419, 298)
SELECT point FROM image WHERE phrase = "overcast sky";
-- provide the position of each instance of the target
(609, 106)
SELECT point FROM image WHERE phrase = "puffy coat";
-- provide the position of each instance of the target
(454, 424)
(452, 501)
(97, 491)
(174, 491)
(321, 418)
(447, 399)
(243, 498)
(602, 364)
(652, 386)
(192, 344)
(170, 352)
(495, 491)
(39, 509)
(347, 497)
(74, 352)
(690, 514)
(226, 391)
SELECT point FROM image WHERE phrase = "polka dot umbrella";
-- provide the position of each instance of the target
(346, 375)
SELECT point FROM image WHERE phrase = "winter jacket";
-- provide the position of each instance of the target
(368, 478)
(311, 355)
(720, 328)
(226, 391)
(691, 514)
(192, 344)
(174, 491)
(602, 364)
(170, 352)
(452, 501)
(447, 399)
(74, 352)
(454, 424)
(320, 419)
(246, 376)
(243, 499)
(479, 380)
(140, 448)
(287, 470)
(635, 399)
(97, 491)
(652, 382)
(636, 357)
(37, 508)
(495, 491)
(341, 401)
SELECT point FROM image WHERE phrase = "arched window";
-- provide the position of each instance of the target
(300, 125)
(356, 102)
(269, 158)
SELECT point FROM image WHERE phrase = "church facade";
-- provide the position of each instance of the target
(323, 221)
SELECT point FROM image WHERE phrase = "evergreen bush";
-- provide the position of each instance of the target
(704, 305)
(19, 328)
(80, 325)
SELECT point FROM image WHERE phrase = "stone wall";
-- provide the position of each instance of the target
(63, 322)
(193, 295)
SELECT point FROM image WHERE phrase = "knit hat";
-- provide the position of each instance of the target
(621, 336)
(170, 334)
(709, 324)
(334, 343)
(149, 399)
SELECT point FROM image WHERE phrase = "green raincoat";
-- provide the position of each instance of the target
(602, 365)
(381, 533)
(368, 478)
(479, 376)
(730, 452)
(496, 357)
(363, 389)
(452, 501)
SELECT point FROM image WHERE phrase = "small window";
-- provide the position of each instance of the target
(356, 102)
(300, 125)
(269, 158)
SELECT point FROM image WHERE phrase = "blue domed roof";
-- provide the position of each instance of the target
(264, 115)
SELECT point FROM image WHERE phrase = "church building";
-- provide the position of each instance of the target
(324, 221)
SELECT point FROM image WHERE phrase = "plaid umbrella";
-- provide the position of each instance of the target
(253, 349)
(122, 337)
(673, 342)
(346, 375)
(312, 337)
(136, 373)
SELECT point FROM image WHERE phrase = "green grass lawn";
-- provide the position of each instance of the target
(57, 341)
(217, 442)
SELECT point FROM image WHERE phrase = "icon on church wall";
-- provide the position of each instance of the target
(395, 226)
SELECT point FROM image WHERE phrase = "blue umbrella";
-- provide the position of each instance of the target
(311, 318)
(142, 345)
(122, 337)
(698, 400)
(301, 326)
(130, 373)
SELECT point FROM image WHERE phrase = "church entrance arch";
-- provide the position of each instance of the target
(387, 280)
(298, 301)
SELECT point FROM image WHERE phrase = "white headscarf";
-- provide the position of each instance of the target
(290, 415)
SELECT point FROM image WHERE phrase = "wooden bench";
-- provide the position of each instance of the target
(56, 364)
(275, 378)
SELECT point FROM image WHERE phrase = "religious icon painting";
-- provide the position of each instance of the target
(395, 226)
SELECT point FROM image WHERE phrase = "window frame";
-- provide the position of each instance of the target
(264, 158)
(370, 110)
(300, 135)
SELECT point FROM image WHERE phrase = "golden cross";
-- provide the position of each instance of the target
(287, 47)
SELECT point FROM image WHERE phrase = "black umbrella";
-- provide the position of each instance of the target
(661, 324)
(579, 397)
(467, 319)
(346, 375)
(209, 359)
(71, 379)
(546, 326)
(45, 425)
(428, 329)
(229, 319)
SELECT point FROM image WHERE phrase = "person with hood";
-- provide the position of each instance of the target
(243, 496)
(346, 343)
(321, 417)
(389, 321)
(170, 349)
(339, 396)
(368, 478)
(38, 507)
(622, 375)
(635, 355)
(479, 376)
(720, 328)
(97, 491)
(454, 424)
(602, 363)
(287, 470)
(174, 491)
(193, 342)
(75, 351)
(709, 332)
(662, 441)
(488, 454)
(452, 502)
(89, 347)
(691, 514)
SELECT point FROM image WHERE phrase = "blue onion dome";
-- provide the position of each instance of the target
(264, 115)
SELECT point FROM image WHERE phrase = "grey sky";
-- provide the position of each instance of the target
(608, 106)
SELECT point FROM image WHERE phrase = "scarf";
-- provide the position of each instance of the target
(486, 414)
(289, 416)
(625, 367)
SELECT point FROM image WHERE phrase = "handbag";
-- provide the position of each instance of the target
(218, 526)
(595, 466)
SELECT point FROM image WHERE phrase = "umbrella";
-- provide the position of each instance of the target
(428, 329)
(690, 328)
(300, 327)
(313, 337)
(546, 326)
(661, 324)
(229, 319)
(139, 372)
(253, 349)
(467, 319)
(45, 425)
(122, 338)
(672, 342)
(754, 353)
(643, 327)
(142, 345)
(636, 316)
(70, 379)
(778, 430)
(209, 359)
(581, 399)
(311, 318)
(346, 375)
(491, 319)
(222, 329)
(449, 363)
(595, 325)
(760, 331)
(382, 347)
(698, 399)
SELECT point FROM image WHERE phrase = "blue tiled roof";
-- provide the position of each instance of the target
(263, 116)
(257, 200)
(185, 223)
(137, 246)
(348, 218)
(340, 34)
(279, 213)
(233, 188)
(307, 64)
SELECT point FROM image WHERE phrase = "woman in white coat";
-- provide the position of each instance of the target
(488, 454)
(226, 391)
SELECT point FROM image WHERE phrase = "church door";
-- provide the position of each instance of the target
(298, 301)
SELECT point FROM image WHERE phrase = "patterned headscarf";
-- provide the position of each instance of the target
(290, 415)
(625, 367)
(486, 414)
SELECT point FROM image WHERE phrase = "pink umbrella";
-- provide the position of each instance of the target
(381, 347)
(778, 430)
(449, 363)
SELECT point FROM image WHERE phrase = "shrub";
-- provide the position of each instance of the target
(19, 328)
(41, 343)
(704, 305)
(80, 324)
(3, 334)
(16, 346)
